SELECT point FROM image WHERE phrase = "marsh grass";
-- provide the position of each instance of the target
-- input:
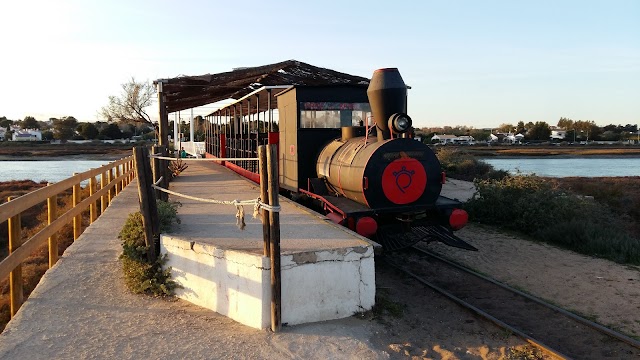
(546, 212)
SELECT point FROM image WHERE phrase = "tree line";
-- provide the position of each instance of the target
(579, 130)
(69, 128)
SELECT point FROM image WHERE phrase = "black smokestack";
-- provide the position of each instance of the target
(387, 95)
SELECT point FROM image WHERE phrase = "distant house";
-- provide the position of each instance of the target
(558, 135)
(3, 133)
(452, 139)
(464, 139)
(27, 135)
(443, 139)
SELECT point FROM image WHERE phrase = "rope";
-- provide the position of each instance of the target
(202, 159)
(239, 204)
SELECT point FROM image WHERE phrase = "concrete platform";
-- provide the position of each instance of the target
(327, 270)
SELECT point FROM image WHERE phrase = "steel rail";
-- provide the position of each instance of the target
(480, 312)
(589, 323)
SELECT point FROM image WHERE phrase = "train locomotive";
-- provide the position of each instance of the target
(346, 150)
(386, 187)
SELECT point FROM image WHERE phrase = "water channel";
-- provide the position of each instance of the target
(45, 170)
(56, 170)
(565, 167)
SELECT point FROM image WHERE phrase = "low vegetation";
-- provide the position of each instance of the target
(547, 212)
(593, 216)
(460, 165)
(142, 276)
(9, 149)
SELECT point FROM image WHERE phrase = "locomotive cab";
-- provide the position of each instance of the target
(310, 118)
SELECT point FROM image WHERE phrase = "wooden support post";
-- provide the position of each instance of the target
(93, 208)
(274, 239)
(163, 124)
(156, 169)
(110, 179)
(166, 174)
(264, 196)
(52, 214)
(104, 199)
(148, 206)
(77, 220)
(15, 278)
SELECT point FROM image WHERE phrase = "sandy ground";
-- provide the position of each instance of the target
(597, 289)
(600, 290)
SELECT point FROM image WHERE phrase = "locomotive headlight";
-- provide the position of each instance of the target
(400, 123)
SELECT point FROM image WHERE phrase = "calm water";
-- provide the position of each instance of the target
(564, 167)
(45, 170)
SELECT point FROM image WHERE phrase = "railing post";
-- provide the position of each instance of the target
(110, 179)
(52, 214)
(274, 239)
(104, 199)
(15, 278)
(93, 208)
(133, 173)
(126, 171)
(119, 183)
(77, 220)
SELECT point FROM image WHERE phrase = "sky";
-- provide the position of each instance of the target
(473, 63)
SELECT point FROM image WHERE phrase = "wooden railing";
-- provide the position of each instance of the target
(113, 178)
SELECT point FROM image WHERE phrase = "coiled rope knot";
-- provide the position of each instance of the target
(239, 215)
(257, 205)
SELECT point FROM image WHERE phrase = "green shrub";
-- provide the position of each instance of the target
(132, 236)
(537, 208)
(140, 275)
(168, 214)
(593, 239)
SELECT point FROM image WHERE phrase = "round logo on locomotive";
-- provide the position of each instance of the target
(404, 181)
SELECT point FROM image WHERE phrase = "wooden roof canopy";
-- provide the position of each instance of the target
(187, 92)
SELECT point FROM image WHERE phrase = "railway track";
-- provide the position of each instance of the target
(544, 325)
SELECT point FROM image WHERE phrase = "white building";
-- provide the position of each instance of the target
(510, 138)
(3, 133)
(452, 139)
(558, 135)
(27, 135)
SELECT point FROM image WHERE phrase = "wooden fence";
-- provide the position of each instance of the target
(113, 178)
